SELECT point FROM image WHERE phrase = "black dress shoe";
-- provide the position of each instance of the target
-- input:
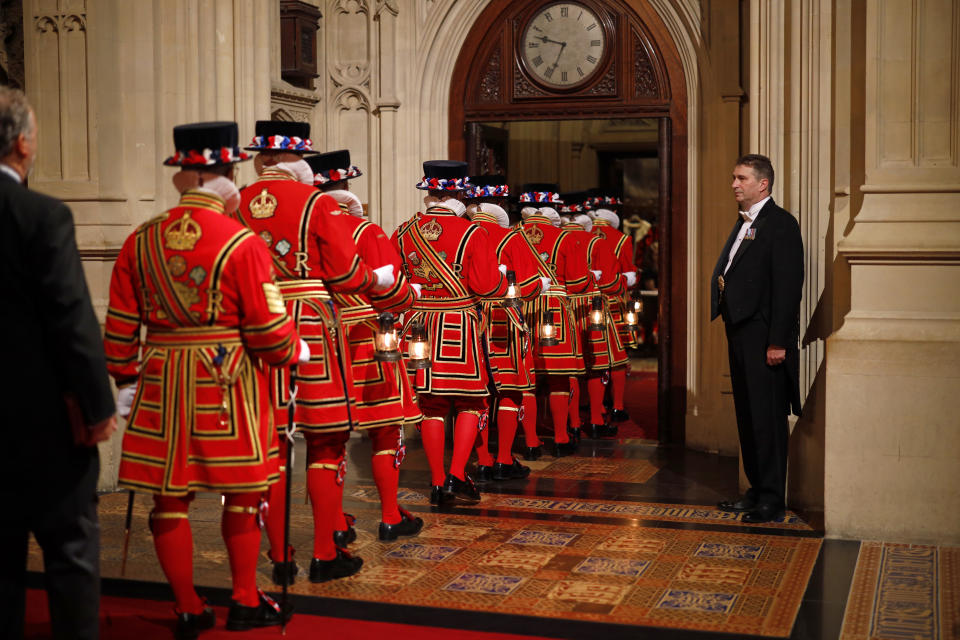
(344, 538)
(737, 506)
(341, 566)
(561, 449)
(619, 415)
(609, 430)
(763, 513)
(455, 488)
(285, 573)
(483, 475)
(574, 435)
(408, 526)
(513, 471)
(266, 614)
(594, 431)
(532, 453)
(436, 494)
(189, 625)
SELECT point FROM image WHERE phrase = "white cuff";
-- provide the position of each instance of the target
(125, 400)
(384, 276)
(596, 274)
(304, 355)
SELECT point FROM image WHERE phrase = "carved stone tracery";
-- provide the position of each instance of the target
(11, 43)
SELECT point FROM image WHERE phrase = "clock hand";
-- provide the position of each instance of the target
(545, 40)
(563, 45)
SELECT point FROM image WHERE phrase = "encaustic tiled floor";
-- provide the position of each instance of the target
(620, 540)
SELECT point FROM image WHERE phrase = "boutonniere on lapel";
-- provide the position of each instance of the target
(751, 234)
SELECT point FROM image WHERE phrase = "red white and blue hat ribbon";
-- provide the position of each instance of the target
(281, 143)
(335, 175)
(599, 201)
(206, 157)
(541, 196)
(488, 191)
(444, 184)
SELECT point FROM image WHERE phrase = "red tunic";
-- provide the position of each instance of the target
(312, 249)
(204, 288)
(508, 338)
(558, 258)
(382, 394)
(453, 261)
(615, 243)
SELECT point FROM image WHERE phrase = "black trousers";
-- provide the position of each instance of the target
(762, 404)
(62, 515)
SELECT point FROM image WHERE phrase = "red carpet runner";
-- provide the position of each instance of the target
(125, 618)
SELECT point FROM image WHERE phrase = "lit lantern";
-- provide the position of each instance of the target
(548, 331)
(418, 347)
(385, 341)
(512, 299)
(636, 302)
(597, 319)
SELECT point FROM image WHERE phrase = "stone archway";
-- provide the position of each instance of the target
(646, 78)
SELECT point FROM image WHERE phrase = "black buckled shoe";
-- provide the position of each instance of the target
(189, 625)
(737, 506)
(561, 449)
(341, 566)
(514, 471)
(532, 453)
(483, 475)
(454, 488)
(619, 415)
(763, 513)
(344, 538)
(265, 614)
(436, 494)
(408, 526)
(285, 573)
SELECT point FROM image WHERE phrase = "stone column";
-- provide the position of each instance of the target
(385, 191)
(892, 372)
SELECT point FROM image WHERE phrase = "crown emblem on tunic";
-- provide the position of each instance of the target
(432, 230)
(183, 234)
(534, 234)
(263, 205)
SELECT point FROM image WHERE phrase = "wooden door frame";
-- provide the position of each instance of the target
(484, 37)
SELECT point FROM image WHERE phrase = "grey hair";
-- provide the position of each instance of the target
(14, 118)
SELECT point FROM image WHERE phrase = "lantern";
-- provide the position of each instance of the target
(597, 315)
(548, 330)
(418, 347)
(385, 341)
(636, 302)
(512, 299)
(633, 311)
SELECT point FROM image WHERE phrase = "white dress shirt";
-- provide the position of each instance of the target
(748, 218)
(7, 169)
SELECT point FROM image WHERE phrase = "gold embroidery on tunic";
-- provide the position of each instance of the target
(534, 234)
(432, 230)
(274, 299)
(187, 294)
(183, 234)
(263, 205)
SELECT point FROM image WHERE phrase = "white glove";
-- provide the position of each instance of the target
(125, 400)
(596, 274)
(545, 283)
(384, 276)
(502, 268)
(631, 277)
(416, 288)
(304, 352)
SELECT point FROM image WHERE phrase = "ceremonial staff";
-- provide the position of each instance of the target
(291, 429)
(126, 534)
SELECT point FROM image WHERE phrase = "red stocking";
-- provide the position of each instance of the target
(173, 541)
(242, 537)
(530, 420)
(483, 449)
(432, 435)
(618, 379)
(276, 499)
(560, 407)
(464, 437)
(595, 388)
(507, 427)
(574, 403)
(324, 455)
(386, 474)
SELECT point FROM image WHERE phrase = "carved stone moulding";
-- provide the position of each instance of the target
(291, 104)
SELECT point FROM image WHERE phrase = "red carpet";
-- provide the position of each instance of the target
(640, 401)
(125, 618)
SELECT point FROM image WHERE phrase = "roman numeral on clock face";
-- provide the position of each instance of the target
(537, 61)
(591, 59)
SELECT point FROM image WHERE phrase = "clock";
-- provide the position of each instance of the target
(563, 44)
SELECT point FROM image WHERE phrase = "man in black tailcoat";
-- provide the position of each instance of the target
(55, 398)
(756, 287)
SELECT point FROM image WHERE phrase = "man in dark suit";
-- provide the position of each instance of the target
(56, 398)
(756, 287)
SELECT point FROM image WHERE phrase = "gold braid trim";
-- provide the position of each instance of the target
(231, 508)
(325, 465)
(386, 452)
(167, 515)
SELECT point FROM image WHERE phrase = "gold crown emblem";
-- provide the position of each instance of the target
(263, 205)
(534, 234)
(432, 230)
(183, 234)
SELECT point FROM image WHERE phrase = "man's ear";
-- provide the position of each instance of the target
(21, 145)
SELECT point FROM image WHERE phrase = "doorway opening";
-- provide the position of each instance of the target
(622, 154)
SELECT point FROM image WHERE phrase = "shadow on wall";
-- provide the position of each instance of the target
(805, 479)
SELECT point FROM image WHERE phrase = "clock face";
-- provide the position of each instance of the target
(562, 44)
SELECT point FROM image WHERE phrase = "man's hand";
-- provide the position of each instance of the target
(775, 355)
(125, 399)
(384, 276)
(101, 431)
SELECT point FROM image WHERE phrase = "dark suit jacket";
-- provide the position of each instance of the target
(50, 340)
(765, 282)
